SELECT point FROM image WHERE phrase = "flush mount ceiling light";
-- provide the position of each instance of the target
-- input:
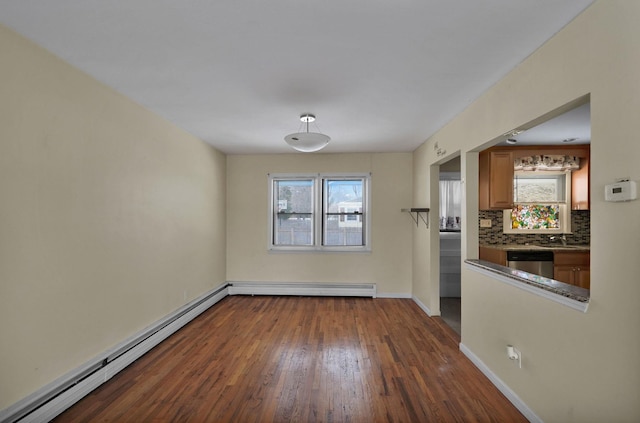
(307, 142)
(510, 136)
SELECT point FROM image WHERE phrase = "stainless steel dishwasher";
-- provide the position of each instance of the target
(536, 262)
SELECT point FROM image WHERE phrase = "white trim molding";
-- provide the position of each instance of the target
(422, 306)
(502, 387)
(404, 295)
(302, 288)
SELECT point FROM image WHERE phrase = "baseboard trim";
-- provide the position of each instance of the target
(54, 398)
(303, 289)
(394, 295)
(502, 387)
(422, 306)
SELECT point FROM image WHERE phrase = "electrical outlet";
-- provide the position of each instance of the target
(485, 223)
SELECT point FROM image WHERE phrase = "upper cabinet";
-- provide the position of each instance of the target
(580, 199)
(496, 175)
(496, 180)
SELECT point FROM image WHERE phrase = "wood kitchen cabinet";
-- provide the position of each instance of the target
(493, 255)
(580, 186)
(496, 180)
(572, 268)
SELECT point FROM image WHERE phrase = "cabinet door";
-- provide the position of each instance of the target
(493, 255)
(484, 174)
(580, 186)
(583, 277)
(501, 180)
(563, 274)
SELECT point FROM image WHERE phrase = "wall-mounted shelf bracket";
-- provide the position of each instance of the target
(420, 214)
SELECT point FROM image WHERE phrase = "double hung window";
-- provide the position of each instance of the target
(319, 212)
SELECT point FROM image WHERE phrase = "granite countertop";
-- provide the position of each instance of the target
(560, 288)
(526, 247)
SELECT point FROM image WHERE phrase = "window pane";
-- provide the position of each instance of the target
(343, 230)
(293, 229)
(343, 196)
(294, 196)
(293, 217)
(343, 212)
(532, 188)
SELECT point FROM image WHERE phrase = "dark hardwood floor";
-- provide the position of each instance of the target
(311, 359)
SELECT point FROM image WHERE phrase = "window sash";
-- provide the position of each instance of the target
(289, 202)
(343, 230)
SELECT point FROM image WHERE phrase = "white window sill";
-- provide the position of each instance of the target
(310, 249)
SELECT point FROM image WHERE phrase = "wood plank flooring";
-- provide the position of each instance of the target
(311, 359)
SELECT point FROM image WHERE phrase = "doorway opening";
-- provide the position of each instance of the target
(450, 215)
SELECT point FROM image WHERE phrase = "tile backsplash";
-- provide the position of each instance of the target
(580, 224)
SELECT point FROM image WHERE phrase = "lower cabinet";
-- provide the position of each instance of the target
(493, 255)
(572, 268)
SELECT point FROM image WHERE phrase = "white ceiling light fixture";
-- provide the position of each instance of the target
(510, 136)
(307, 142)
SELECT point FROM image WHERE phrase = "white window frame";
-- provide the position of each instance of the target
(565, 212)
(318, 208)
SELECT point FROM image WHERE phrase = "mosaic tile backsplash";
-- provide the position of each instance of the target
(580, 224)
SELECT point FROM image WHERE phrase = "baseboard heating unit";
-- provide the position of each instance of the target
(54, 398)
(303, 289)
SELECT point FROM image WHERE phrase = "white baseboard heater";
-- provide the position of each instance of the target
(54, 398)
(303, 289)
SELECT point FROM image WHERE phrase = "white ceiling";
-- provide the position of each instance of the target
(380, 76)
(573, 126)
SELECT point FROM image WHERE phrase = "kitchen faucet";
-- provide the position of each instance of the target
(562, 238)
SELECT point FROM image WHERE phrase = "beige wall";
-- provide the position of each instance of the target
(578, 367)
(389, 263)
(110, 218)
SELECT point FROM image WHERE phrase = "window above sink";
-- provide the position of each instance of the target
(540, 203)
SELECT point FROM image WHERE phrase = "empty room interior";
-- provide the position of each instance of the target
(233, 211)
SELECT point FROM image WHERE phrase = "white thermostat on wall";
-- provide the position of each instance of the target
(621, 191)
